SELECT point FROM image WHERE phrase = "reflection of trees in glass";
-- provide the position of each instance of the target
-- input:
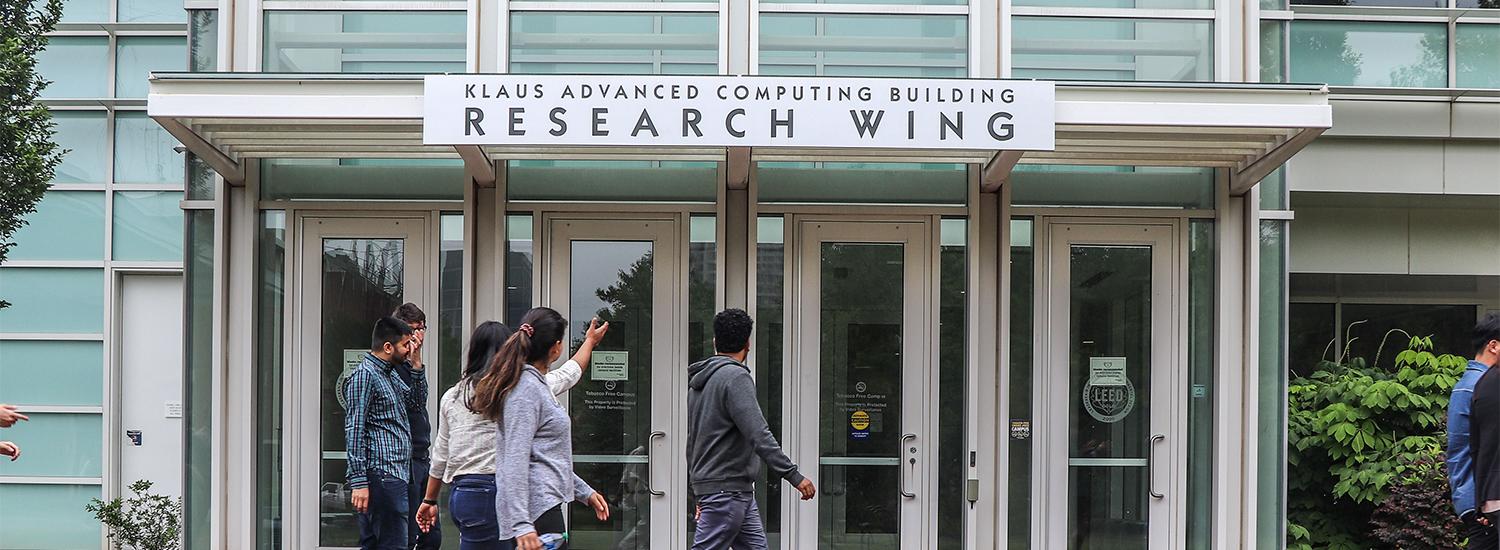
(1431, 70)
(1478, 47)
(1323, 53)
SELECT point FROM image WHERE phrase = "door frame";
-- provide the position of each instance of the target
(302, 385)
(801, 393)
(1169, 345)
(669, 328)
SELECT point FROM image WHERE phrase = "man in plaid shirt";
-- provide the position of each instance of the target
(377, 436)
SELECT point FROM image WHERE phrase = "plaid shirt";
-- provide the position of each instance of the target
(377, 431)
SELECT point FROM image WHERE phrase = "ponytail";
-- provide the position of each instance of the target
(540, 329)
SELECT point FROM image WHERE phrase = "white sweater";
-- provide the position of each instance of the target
(465, 442)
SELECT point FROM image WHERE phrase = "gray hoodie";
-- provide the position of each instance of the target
(727, 434)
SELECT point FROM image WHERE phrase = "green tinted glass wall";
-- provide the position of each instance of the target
(67, 225)
(144, 151)
(57, 445)
(364, 42)
(52, 519)
(1160, 50)
(85, 11)
(76, 65)
(1477, 52)
(614, 43)
(148, 226)
(52, 300)
(37, 369)
(156, 11)
(1370, 53)
(82, 134)
(137, 56)
(864, 45)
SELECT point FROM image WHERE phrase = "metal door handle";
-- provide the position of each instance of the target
(1151, 466)
(900, 463)
(651, 487)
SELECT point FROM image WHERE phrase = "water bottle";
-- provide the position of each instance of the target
(554, 541)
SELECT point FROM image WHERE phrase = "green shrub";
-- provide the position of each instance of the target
(1418, 514)
(1353, 430)
(143, 522)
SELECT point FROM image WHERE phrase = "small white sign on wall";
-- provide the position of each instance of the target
(609, 366)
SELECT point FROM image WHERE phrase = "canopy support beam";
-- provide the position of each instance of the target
(232, 171)
(737, 167)
(1241, 181)
(477, 164)
(997, 170)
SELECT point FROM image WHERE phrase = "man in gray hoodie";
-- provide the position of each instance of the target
(726, 441)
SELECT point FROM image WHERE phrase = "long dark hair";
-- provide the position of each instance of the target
(484, 344)
(540, 329)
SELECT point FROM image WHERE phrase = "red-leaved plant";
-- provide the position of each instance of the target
(1417, 514)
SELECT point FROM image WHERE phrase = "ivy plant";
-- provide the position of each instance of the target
(1354, 429)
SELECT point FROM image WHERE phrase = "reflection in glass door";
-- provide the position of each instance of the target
(864, 357)
(1113, 420)
(625, 439)
(354, 271)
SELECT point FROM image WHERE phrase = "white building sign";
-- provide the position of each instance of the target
(726, 111)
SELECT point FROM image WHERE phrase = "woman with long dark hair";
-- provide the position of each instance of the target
(463, 449)
(534, 436)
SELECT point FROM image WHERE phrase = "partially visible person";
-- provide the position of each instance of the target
(1474, 439)
(9, 416)
(10, 449)
(411, 370)
(463, 451)
(727, 439)
(534, 439)
(377, 437)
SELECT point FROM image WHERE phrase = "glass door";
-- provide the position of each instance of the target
(1112, 388)
(353, 271)
(627, 429)
(865, 327)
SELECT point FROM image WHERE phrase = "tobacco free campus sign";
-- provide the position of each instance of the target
(727, 111)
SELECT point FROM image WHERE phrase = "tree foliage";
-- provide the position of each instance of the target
(28, 156)
(1354, 431)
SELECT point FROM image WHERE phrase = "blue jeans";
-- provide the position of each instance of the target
(433, 539)
(472, 505)
(383, 525)
(729, 520)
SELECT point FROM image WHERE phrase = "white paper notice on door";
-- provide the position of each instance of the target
(609, 365)
(1107, 371)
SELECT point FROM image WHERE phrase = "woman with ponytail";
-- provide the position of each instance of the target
(534, 437)
(463, 448)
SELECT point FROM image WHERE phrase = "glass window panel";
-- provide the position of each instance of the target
(51, 518)
(144, 151)
(1312, 333)
(862, 182)
(1477, 51)
(1113, 49)
(1273, 193)
(703, 268)
(67, 225)
(57, 445)
(76, 65)
(1369, 53)
(198, 383)
(612, 180)
(519, 254)
(1377, 3)
(81, 11)
(82, 134)
(1128, 4)
(769, 340)
(32, 370)
(1200, 458)
(1022, 291)
(52, 300)
(138, 56)
(1272, 51)
(1271, 424)
(271, 316)
(148, 226)
(1273, 4)
(200, 179)
(952, 383)
(1066, 185)
(448, 327)
(362, 179)
(891, 2)
(614, 43)
(864, 45)
(1481, 4)
(364, 42)
(1450, 326)
(203, 41)
(156, 11)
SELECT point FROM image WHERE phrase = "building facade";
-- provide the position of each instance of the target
(961, 301)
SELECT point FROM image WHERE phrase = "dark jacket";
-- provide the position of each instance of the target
(727, 434)
(1484, 438)
(421, 429)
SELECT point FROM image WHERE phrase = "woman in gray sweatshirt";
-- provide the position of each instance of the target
(533, 440)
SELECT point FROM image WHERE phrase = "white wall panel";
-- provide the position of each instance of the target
(1368, 166)
(1455, 242)
(1349, 240)
(1472, 167)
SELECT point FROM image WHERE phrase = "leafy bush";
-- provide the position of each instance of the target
(143, 522)
(1418, 514)
(1355, 429)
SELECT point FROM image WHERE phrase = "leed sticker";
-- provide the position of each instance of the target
(1108, 396)
(859, 425)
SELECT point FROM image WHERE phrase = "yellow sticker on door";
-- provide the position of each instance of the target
(859, 425)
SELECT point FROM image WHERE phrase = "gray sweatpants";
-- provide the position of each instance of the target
(729, 520)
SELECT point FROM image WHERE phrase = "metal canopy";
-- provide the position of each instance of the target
(227, 119)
